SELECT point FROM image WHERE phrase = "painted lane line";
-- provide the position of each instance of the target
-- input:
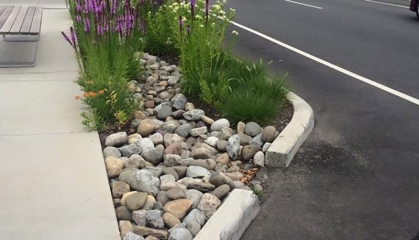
(332, 66)
(394, 5)
(307, 5)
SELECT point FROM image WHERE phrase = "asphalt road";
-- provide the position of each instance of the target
(357, 176)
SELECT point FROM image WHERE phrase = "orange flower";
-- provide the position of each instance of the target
(101, 91)
(92, 94)
(85, 94)
(77, 97)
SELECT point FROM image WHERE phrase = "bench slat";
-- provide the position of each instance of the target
(19, 21)
(37, 21)
(10, 20)
(27, 23)
(5, 15)
(2, 8)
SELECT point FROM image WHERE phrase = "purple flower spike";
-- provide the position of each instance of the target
(78, 19)
(86, 25)
(99, 30)
(206, 10)
(193, 3)
(78, 7)
(73, 36)
(67, 38)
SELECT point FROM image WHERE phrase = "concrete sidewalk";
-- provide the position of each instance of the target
(53, 179)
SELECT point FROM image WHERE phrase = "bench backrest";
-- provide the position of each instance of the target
(24, 20)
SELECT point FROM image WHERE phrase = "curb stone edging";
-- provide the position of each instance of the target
(285, 146)
(232, 218)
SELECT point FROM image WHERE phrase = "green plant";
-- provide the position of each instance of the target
(257, 192)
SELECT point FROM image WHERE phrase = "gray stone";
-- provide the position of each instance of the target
(220, 178)
(116, 139)
(166, 179)
(238, 184)
(155, 155)
(181, 170)
(124, 176)
(252, 129)
(146, 127)
(190, 141)
(233, 146)
(171, 171)
(170, 126)
(128, 150)
(155, 171)
(175, 148)
(158, 205)
(171, 160)
(132, 236)
(134, 137)
(212, 141)
(179, 101)
(144, 181)
(212, 149)
(180, 234)
(145, 144)
(268, 134)
(225, 133)
(201, 186)
(112, 152)
(163, 110)
(235, 176)
(176, 193)
(170, 138)
(136, 161)
(194, 114)
(221, 191)
(123, 213)
(183, 130)
(193, 228)
(173, 80)
(266, 147)
(201, 153)
(154, 219)
(223, 158)
(177, 114)
(136, 200)
(194, 196)
(197, 172)
(220, 123)
(139, 217)
(240, 127)
(195, 216)
(198, 131)
(222, 145)
(244, 138)
(256, 140)
(259, 159)
(249, 151)
(162, 197)
(156, 138)
(209, 204)
(119, 188)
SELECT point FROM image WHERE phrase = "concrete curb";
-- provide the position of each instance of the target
(233, 217)
(286, 145)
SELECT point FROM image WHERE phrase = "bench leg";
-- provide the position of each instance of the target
(18, 54)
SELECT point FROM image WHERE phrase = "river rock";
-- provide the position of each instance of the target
(119, 188)
(111, 152)
(252, 129)
(233, 146)
(144, 181)
(113, 166)
(220, 123)
(169, 126)
(146, 231)
(225, 133)
(268, 134)
(179, 208)
(116, 139)
(197, 172)
(259, 159)
(163, 110)
(194, 114)
(249, 151)
(146, 127)
(201, 153)
(209, 204)
(180, 233)
(221, 191)
(179, 101)
(171, 138)
(154, 219)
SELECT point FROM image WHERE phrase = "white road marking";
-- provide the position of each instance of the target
(394, 5)
(307, 5)
(330, 65)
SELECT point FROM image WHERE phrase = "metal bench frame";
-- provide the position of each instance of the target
(21, 24)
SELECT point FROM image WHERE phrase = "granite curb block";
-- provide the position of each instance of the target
(286, 145)
(233, 217)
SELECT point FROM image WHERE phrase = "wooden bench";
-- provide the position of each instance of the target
(21, 24)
